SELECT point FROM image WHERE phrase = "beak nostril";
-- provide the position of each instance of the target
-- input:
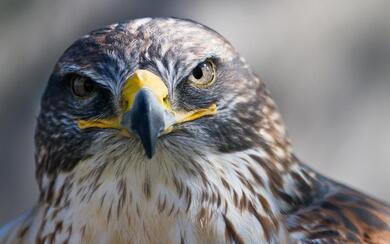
(166, 101)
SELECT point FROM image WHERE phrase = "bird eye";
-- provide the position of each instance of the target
(203, 75)
(82, 86)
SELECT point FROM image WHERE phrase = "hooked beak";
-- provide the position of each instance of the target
(147, 111)
(147, 119)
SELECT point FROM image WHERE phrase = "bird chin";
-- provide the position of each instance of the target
(119, 144)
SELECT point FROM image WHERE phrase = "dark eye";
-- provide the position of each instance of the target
(203, 75)
(82, 86)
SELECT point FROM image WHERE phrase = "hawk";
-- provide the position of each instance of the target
(156, 130)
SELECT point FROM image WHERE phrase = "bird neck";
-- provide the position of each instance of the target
(222, 188)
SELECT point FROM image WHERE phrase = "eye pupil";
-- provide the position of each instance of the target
(197, 72)
(88, 86)
(82, 86)
(203, 75)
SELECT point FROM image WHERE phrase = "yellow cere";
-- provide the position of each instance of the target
(145, 79)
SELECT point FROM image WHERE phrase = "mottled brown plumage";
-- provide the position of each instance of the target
(171, 138)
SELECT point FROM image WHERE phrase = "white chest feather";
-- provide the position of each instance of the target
(213, 199)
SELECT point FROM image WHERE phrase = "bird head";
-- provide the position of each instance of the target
(151, 85)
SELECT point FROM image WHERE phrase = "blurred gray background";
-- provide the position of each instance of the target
(327, 64)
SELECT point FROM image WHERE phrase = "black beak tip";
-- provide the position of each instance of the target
(150, 149)
(149, 153)
(148, 142)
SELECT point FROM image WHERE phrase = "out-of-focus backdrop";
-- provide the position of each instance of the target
(327, 64)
